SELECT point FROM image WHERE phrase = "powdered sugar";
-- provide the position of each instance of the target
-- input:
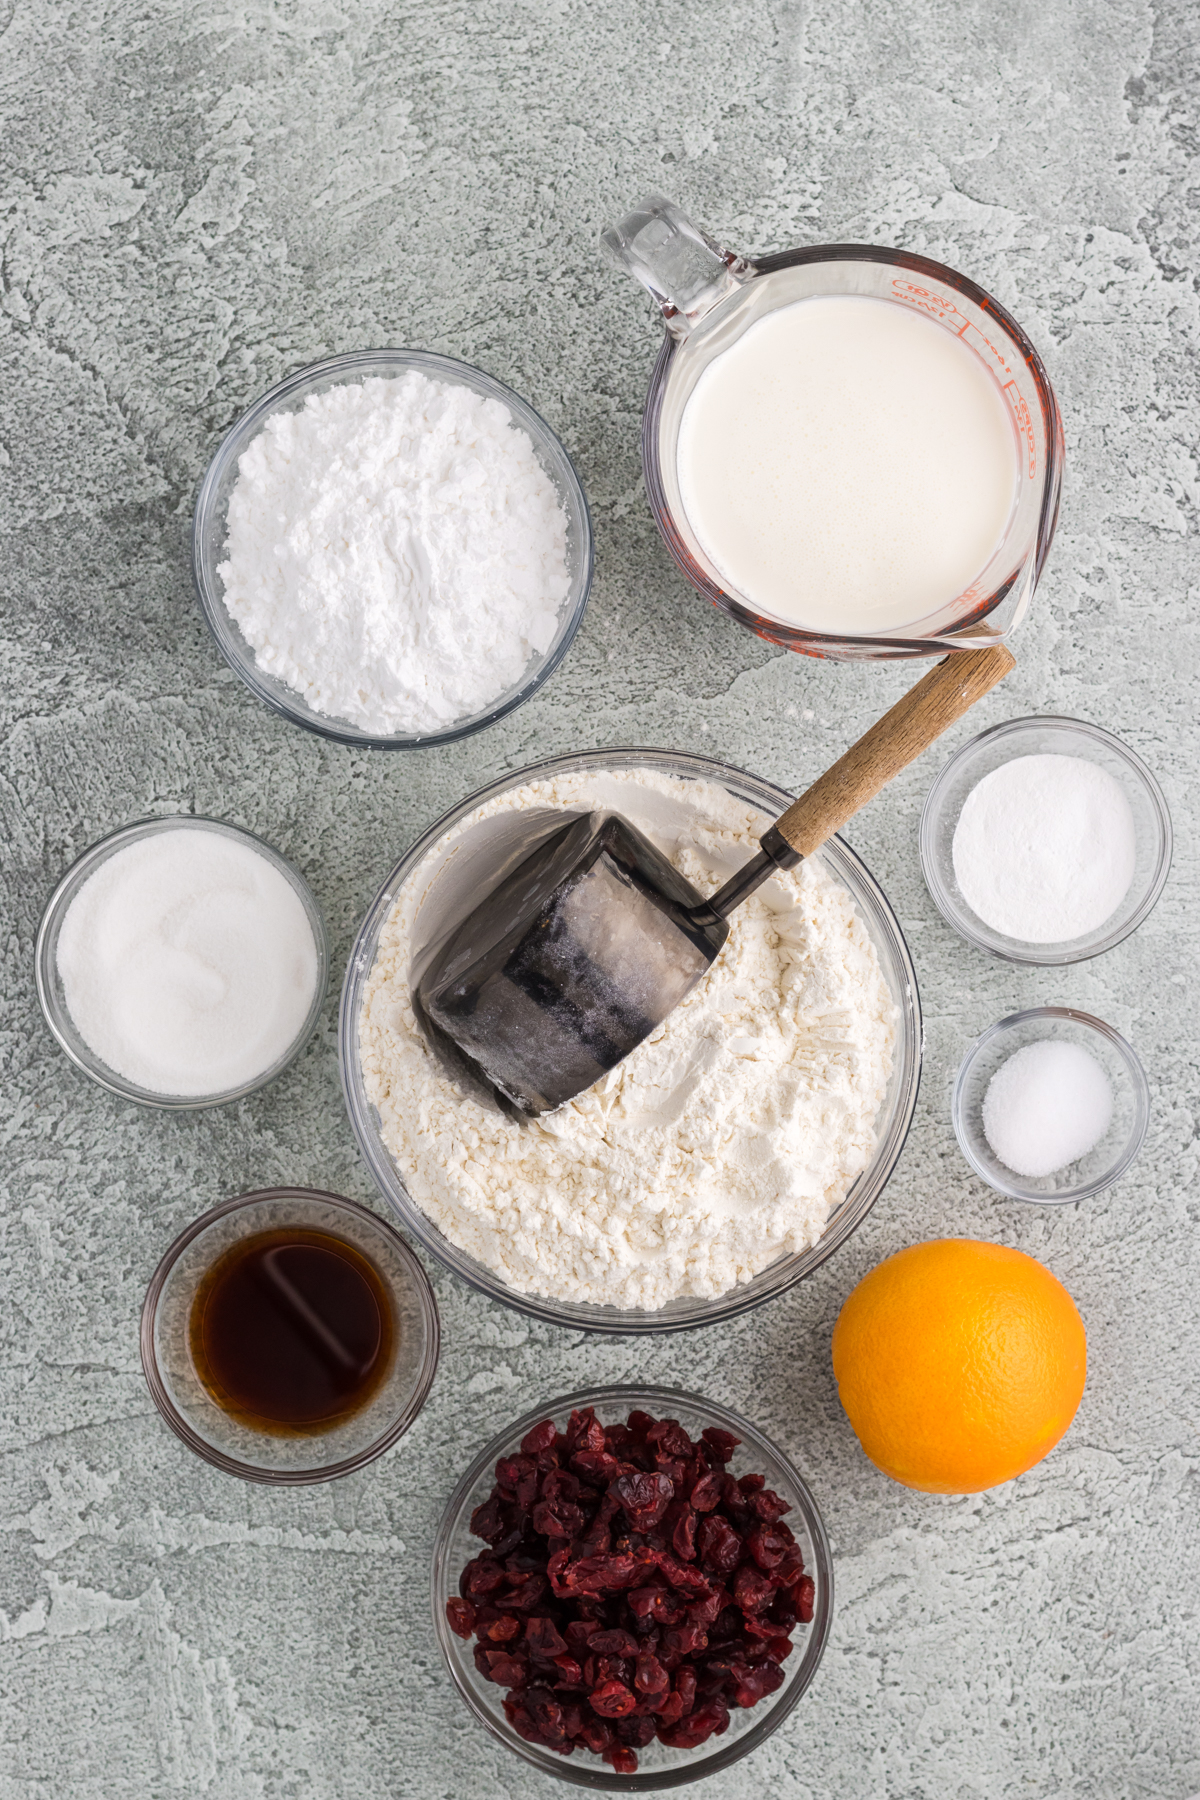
(396, 552)
(721, 1143)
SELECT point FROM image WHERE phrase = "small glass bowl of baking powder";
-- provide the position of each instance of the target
(749, 1727)
(52, 990)
(1045, 736)
(1105, 1163)
(209, 531)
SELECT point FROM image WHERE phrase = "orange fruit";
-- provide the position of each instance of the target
(959, 1364)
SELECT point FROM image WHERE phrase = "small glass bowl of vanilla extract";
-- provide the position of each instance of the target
(289, 1336)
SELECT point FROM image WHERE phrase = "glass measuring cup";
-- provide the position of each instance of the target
(710, 297)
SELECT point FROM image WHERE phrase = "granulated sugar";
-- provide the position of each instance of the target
(1044, 848)
(188, 963)
(722, 1142)
(396, 552)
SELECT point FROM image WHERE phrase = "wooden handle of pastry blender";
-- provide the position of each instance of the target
(939, 698)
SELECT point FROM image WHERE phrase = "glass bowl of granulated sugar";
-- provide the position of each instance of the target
(392, 549)
(1045, 841)
(730, 1154)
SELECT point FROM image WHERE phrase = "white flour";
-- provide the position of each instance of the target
(718, 1145)
(396, 552)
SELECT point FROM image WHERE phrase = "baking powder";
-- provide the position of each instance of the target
(1044, 849)
(719, 1144)
(396, 552)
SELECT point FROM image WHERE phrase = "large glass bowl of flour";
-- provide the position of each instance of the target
(432, 882)
(210, 531)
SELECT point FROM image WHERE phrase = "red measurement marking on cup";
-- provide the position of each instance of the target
(940, 307)
(1024, 423)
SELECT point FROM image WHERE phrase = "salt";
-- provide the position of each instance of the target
(1045, 1107)
(1044, 848)
(188, 963)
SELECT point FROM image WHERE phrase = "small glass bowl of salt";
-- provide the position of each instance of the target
(1045, 841)
(1050, 1106)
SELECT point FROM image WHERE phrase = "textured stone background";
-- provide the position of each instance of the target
(198, 198)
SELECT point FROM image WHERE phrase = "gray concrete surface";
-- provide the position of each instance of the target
(199, 197)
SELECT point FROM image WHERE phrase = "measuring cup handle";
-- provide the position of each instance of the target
(687, 273)
(915, 722)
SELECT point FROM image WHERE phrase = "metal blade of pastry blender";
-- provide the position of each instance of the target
(581, 951)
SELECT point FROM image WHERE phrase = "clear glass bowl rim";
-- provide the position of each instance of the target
(654, 1399)
(873, 646)
(228, 639)
(1045, 957)
(249, 1471)
(1013, 1188)
(610, 1321)
(63, 1026)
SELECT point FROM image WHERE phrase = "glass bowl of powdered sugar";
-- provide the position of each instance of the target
(1045, 841)
(392, 549)
(725, 1158)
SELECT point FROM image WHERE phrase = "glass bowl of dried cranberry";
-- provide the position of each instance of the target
(632, 1588)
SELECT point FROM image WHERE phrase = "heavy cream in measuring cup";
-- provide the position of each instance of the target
(848, 466)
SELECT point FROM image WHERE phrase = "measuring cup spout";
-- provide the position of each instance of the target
(687, 273)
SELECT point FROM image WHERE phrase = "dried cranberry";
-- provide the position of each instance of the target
(523, 1592)
(671, 1437)
(492, 1520)
(505, 1670)
(719, 1545)
(501, 1630)
(683, 1538)
(481, 1577)
(612, 1700)
(650, 1677)
(596, 1734)
(557, 1519)
(685, 1640)
(755, 1684)
(657, 1603)
(518, 1717)
(460, 1616)
(697, 1728)
(722, 1444)
(751, 1590)
(596, 1465)
(707, 1611)
(706, 1492)
(805, 1592)
(584, 1432)
(545, 1711)
(640, 1422)
(542, 1437)
(769, 1506)
(623, 1759)
(766, 1546)
(543, 1637)
(644, 1497)
(613, 1643)
(636, 1731)
(683, 1576)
